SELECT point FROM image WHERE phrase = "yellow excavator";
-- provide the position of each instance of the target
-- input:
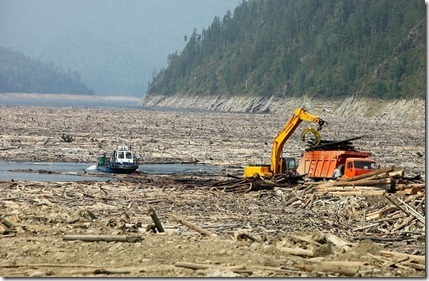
(278, 164)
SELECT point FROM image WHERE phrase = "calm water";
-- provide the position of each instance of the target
(87, 103)
(67, 171)
(90, 103)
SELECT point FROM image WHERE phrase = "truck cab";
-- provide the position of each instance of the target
(321, 164)
(358, 166)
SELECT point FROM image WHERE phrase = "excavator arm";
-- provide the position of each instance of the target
(275, 167)
(299, 115)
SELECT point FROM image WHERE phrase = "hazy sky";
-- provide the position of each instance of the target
(130, 32)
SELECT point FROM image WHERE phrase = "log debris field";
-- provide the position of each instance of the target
(208, 223)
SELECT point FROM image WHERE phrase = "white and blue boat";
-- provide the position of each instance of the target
(121, 161)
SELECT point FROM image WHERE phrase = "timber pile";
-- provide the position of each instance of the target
(384, 234)
(322, 255)
(317, 247)
(401, 219)
(374, 183)
(379, 182)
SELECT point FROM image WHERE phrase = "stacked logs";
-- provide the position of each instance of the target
(377, 182)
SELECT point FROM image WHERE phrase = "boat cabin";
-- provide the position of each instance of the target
(122, 160)
(123, 156)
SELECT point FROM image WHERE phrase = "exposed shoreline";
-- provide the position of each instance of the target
(364, 107)
(37, 216)
(65, 96)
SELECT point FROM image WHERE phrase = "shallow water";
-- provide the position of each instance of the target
(61, 171)
(69, 171)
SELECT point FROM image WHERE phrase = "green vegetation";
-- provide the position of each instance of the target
(20, 74)
(319, 48)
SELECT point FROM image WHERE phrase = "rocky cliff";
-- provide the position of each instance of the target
(397, 109)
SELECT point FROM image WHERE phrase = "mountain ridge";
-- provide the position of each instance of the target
(321, 49)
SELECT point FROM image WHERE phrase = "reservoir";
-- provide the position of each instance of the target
(70, 171)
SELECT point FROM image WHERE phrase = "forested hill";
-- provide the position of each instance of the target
(317, 48)
(21, 74)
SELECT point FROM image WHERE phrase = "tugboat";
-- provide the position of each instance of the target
(121, 161)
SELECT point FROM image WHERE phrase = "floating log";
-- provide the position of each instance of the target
(9, 223)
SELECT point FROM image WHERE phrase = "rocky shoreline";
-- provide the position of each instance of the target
(364, 107)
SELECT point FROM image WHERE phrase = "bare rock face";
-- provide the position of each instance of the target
(351, 106)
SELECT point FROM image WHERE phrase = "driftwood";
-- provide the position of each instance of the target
(192, 226)
(91, 214)
(17, 265)
(304, 239)
(242, 235)
(348, 268)
(413, 212)
(155, 219)
(419, 259)
(297, 251)
(337, 241)
(105, 238)
(197, 266)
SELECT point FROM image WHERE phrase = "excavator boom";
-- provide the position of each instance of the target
(275, 167)
(299, 115)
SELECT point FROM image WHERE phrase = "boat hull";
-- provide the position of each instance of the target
(118, 169)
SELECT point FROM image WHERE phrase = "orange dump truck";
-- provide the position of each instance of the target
(321, 164)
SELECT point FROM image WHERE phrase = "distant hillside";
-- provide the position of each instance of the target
(315, 48)
(115, 46)
(21, 74)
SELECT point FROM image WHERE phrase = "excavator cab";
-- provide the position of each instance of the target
(288, 164)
